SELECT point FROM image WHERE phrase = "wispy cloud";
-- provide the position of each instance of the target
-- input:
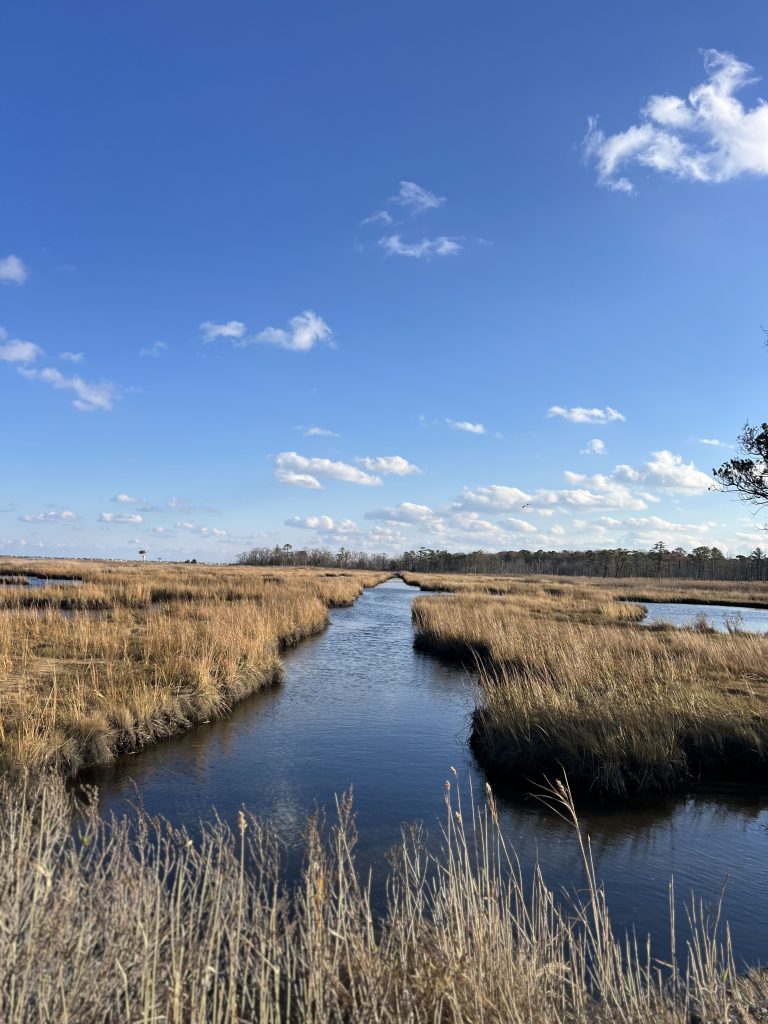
(126, 518)
(578, 414)
(707, 136)
(158, 347)
(300, 471)
(12, 270)
(416, 198)
(128, 499)
(232, 329)
(389, 465)
(466, 426)
(713, 442)
(393, 245)
(378, 217)
(49, 517)
(317, 432)
(72, 357)
(304, 331)
(594, 447)
(89, 397)
(203, 531)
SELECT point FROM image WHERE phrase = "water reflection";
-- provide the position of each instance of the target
(720, 617)
(361, 708)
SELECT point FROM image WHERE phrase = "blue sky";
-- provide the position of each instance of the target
(374, 275)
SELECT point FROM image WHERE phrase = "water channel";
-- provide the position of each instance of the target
(360, 707)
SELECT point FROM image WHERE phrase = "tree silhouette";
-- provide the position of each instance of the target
(747, 474)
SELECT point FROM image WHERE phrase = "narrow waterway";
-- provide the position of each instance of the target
(721, 617)
(360, 707)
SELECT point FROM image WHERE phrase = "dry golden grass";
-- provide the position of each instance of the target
(136, 653)
(120, 924)
(570, 683)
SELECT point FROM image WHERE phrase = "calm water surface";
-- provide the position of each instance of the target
(359, 707)
(751, 620)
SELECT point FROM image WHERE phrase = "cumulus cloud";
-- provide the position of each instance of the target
(325, 524)
(16, 351)
(203, 531)
(470, 428)
(708, 136)
(72, 357)
(300, 471)
(127, 499)
(393, 245)
(578, 414)
(317, 432)
(668, 470)
(496, 498)
(305, 330)
(232, 329)
(49, 517)
(416, 198)
(392, 465)
(12, 270)
(89, 397)
(130, 518)
(158, 347)
(594, 447)
(406, 513)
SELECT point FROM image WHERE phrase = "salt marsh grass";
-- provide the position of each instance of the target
(119, 922)
(570, 684)
(136, 653)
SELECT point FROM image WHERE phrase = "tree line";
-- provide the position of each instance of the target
(702, 563)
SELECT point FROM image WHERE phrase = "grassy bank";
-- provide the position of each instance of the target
(570, 683)
(141, 925)
(136, 653)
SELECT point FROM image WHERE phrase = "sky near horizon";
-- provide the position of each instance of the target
(465, 276)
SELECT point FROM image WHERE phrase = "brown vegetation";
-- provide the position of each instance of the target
(136, 653)
(113, 923)
(570, 683)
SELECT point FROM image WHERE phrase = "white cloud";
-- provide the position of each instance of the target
(157, 347)
(406, 513)
(714, 443)
(49, 517)
(707, 136)
(233, 329)
(12, 270)
(317, 432)
(325, 524)
(668, 470)
(578, 414)
(203, 531)
(393, 245)
(306, 329)
(16, 351)
(416, 198)
(131, 518)
(594, 447)
(392, 465)
(72, 357)
(496, 498)
(295, 469)
(470, 428)
(378, 217)
(89, 396)
(127, 499)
